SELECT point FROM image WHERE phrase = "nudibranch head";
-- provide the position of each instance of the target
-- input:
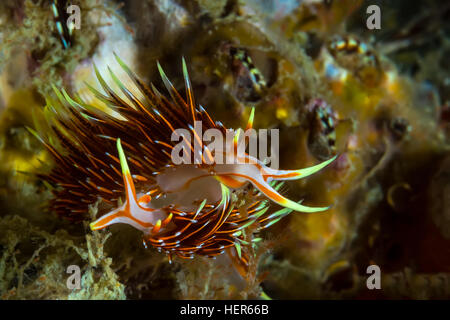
(127, 162)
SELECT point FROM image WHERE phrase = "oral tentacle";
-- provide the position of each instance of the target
(171, 89)
(189, 94)
(265, 188)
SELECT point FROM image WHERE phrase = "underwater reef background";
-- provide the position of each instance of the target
(379, 99)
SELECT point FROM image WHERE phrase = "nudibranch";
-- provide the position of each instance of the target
(124, 159)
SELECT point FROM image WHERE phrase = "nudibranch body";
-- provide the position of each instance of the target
(126, 161)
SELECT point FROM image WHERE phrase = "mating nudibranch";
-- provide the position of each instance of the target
(181, 209)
